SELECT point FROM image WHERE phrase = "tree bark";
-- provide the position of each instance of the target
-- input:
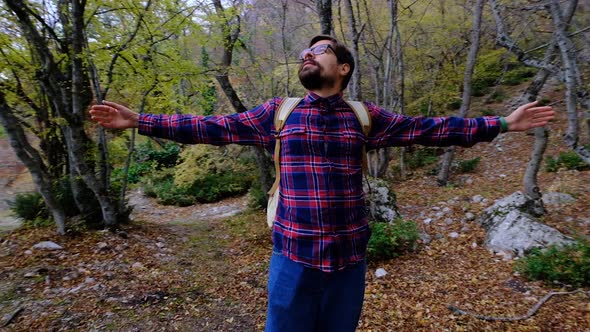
(443, 175)
(571, 77)
(67, 86)
(324, 8)
(354, 86)
(230, 35)
(32, 159)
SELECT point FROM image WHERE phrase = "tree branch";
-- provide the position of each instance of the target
(529, 314)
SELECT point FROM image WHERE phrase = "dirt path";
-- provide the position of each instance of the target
(14, 179)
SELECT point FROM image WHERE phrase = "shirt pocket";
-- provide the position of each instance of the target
(295, 145)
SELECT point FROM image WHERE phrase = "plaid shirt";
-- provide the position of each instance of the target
(321, 220)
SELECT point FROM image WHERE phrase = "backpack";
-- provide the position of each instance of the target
(281, 115)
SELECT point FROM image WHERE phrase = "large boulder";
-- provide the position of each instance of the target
(381, 201)
(512, 231)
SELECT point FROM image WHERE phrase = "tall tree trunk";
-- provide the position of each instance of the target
(354, 86)
(530, 180)
(572, 80)
(443, 175)
(324, 8)
(32, 159)
(230, 36)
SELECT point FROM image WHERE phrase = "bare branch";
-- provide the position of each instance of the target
(529, 314)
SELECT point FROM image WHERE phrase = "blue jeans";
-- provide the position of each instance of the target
(303, 299)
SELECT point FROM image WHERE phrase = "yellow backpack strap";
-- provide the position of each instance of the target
(364, 117)
(281, 114)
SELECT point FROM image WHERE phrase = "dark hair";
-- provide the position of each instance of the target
(342, 53)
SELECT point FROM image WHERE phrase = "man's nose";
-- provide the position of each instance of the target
(308, 55)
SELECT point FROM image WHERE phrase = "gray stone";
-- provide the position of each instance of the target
(477, 199)
(380, 272)
(425, 238)
(382, 201)
(512, 232)
(555, 198)
(454, 235)
(47, 245)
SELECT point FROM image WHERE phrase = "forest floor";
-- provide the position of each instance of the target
(201, 269)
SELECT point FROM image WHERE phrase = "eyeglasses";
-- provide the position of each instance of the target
(317, 50)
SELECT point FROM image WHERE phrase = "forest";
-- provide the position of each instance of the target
(130, 207)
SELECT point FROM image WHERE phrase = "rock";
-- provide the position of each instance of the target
(454, 235)
(516, 232)
(555, 198)
(469, 216)
(137, 266)
(47, 245)
(477, 199)
(380, 272)
(427, 221)
(28, 252)
(103, 246)
(425, 238)
(449, 221)
(382, 201)
(516, 201)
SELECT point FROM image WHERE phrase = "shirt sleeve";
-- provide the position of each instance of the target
(252, 127)
(389, 129)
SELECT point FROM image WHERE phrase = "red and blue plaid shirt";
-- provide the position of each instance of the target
(321, 218)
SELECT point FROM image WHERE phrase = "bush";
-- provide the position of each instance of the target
(390, 240)
(421, 157)
(166, 156)
(569, 265)
(518, 75)
(469, 165)
(30, 207)
(568, 160)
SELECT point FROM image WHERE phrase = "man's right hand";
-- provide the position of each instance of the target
(113, 115)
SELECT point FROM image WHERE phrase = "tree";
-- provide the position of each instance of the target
(443, 175)
(324, 8)
(231, 27)
(62, 77)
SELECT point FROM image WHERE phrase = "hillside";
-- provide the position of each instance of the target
(181, 269)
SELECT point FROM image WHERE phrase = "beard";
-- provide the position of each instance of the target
(311, 76)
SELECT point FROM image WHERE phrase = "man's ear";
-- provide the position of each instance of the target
(344, 69)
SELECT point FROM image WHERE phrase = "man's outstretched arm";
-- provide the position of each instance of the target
(114, 116)
(529, 116)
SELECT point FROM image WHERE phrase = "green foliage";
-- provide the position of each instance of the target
(30, 207)
(421, 157)
(498, 67)
(568, 160)
(569, 264)
(518, 75)
(488, 112)
(2, 132)
(167, 156)
(469, 165)
(390, 240)
(499, 95)
(206, 174)
(161, 186)
(258, 197)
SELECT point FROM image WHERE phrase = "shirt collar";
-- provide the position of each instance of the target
(313, 98)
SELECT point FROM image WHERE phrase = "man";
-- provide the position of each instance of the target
(317, 270)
